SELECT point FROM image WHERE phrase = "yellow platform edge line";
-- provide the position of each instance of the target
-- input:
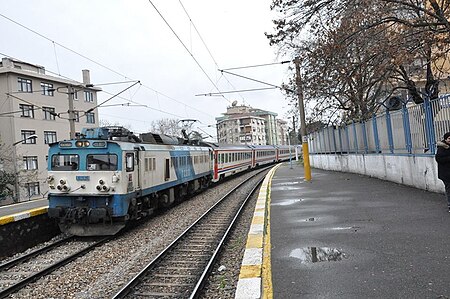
(266, 275)
(263, 270)
(23, 215)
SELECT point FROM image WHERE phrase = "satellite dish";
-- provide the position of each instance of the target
(234, 103)
(393, 103)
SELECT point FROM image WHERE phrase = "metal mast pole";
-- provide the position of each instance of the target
(301, 109)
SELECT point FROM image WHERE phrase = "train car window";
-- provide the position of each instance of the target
(167, 171)
(154, 164)
(129, 160)
(147, 166)
(65, 162)
(101, 162)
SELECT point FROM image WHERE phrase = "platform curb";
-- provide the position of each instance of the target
(255, 278)
(22, 215)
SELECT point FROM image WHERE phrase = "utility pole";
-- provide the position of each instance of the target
(70, 92)
(295, 138)
(301, 109)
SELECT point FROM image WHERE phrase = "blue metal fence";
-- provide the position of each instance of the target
(413, 129)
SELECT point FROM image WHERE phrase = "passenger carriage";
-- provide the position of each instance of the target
(231, 159)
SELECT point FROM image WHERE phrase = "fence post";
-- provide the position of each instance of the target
(375, 134)
(407, 128)
(356, 137)
(429, 125)
(366, 145)
(341, 146)
(329, 141)
(348, 139)
(389, 131)
(334, 140)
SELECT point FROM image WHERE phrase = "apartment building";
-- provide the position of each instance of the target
(34, 113)
(243, 124)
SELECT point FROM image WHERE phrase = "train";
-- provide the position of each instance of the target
(107, 176)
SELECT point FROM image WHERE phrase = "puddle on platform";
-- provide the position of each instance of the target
(287, 202)
(310, 219)
(346, 228)
(284, 188)
(317, 254)
(287, 183)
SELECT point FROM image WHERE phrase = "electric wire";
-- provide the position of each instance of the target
(87, 58)
(204, 43)
(184, 46)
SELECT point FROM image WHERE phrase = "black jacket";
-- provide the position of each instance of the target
(443, 161)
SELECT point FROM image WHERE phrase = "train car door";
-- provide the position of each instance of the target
(132, 171)
(137, 163)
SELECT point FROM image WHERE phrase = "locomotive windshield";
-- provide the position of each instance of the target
(65, 162)
(102, 162)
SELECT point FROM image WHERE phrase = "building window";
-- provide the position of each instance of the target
(26, 134)
(88, 96)
(76, 116)
(47, 89)
(75, 95)
(33, 189)
(49, 113)
(24, 85)
(49, 137)
(27, 110)
(90, 118)
(30, 162)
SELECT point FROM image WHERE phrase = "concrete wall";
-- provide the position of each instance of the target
(416, 171)
(20, 235)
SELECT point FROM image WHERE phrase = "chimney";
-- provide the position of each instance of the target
(86, 77)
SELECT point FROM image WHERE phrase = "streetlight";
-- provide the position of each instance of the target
(290, 151)
(34, 136)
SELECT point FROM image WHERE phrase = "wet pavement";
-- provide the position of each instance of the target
(345, 235)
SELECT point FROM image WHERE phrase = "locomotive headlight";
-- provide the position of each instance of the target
(62, 182)
(101, 182)
(86, 143)
(79, 143)
(105, 188)
(115, 178)
(59, 187)
(50, 179)
(98, 187)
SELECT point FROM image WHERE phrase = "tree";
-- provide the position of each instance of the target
(166, 126)
(357, 53)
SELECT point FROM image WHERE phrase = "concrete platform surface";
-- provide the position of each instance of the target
(345, 235)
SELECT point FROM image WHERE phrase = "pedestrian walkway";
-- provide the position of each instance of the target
(345, 235)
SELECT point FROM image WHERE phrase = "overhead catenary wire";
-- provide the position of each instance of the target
(242, 90)
(91, 60)
(204, 43)
(184, 46)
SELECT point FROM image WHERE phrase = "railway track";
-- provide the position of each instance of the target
(21, 271)
(181, 269)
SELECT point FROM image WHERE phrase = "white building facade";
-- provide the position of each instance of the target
(33, 103)
(246, 125)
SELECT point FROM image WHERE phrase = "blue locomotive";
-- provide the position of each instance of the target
(108, 176)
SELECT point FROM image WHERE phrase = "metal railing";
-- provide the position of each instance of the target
(412, 130)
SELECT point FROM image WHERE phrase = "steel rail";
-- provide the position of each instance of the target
(21, 284)
(138, 278)
(32, 254)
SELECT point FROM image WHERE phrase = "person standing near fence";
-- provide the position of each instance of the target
(443, 162)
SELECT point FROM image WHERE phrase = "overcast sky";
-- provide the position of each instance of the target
(129, 40)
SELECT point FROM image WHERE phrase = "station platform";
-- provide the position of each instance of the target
(345, 235)
(22, 210)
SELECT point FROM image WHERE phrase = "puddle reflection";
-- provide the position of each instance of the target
(317, 254)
